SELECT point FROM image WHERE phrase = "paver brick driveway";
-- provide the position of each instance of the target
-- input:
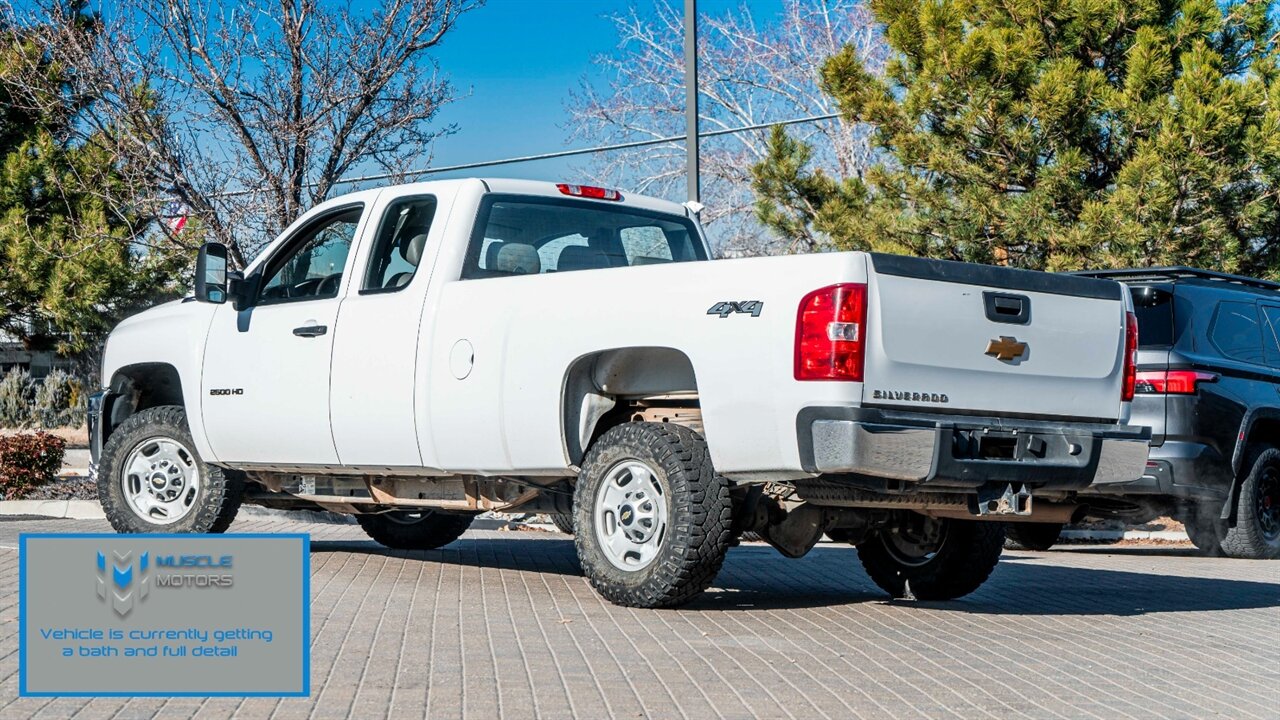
(503, 624)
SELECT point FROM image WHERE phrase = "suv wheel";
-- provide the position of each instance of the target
(932, 558)
(1204, 529)
(414, 530)
(150, 478)
(1256, 534)
(1032, 536)
(652, 518)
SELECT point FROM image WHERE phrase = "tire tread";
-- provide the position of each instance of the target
(699, 530)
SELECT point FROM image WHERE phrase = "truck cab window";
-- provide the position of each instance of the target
(311, 266)
(533, 235)
(402, 238)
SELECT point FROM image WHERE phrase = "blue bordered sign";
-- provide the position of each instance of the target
(164, 615)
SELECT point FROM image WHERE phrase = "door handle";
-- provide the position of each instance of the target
(310, 330)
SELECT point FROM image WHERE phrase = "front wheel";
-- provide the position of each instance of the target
(151, 480)
(414, 530)
(652, 518)
(932, 558)
(1256, 535)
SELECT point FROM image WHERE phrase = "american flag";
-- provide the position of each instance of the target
(175, 217)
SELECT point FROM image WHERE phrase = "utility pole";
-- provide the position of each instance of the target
(691, 98)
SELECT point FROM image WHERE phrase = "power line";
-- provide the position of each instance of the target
(553, 155)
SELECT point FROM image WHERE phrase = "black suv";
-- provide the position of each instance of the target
(1208, 385)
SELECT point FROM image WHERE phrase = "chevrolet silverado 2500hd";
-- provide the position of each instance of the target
(418, 354)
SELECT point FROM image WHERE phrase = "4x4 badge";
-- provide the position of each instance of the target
(1006, 348)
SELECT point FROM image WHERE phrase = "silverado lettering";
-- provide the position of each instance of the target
(909, 396)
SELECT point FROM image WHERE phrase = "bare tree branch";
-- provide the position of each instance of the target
(276, 98)
(749, 73)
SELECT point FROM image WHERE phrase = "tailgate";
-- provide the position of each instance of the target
(979, 339)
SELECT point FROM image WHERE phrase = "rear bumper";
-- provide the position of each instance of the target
(1185, 470)
(955, 451)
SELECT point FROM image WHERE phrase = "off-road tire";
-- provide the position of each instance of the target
(433, 530)
(1248, 538)
(699, 511)
(1032, 536)
(220, 490)
(963, 562)
(563, 522)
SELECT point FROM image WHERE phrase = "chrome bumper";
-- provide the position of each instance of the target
(960, 451)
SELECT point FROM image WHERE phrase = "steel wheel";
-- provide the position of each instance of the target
(631, 515)
(160, 480)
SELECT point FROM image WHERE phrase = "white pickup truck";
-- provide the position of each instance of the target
(419, 354)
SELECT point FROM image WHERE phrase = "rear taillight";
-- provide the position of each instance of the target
(1130, 356)
(831, 333)
(1172, 382)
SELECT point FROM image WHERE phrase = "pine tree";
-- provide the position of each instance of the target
(1054, 134)
(70, 259)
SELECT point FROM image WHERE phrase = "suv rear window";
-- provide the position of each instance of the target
(524, 235)
(1154, 308)
(1236, 332)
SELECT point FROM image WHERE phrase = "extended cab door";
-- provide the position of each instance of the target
(375, 351)
(265, 386)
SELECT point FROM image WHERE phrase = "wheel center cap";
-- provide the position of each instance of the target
(627, 515)
(158, 480)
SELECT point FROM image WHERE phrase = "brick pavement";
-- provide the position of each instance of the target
(502, 624)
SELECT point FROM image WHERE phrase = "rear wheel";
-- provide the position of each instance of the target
(1206, 531)
(1256, 534)
(652, 518)
(414, 530)
(563, 522)
(932, 558)
(1032, 536)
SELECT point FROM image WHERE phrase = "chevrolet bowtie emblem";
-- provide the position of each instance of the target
(1006, 348)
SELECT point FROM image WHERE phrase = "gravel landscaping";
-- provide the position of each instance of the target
(81, 488)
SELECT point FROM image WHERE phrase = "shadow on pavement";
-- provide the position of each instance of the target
(758, 578)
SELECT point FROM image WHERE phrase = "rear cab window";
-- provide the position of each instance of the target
(531, 235)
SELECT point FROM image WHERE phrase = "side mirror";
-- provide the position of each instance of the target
(211, 273)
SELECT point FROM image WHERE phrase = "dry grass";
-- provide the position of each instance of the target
(77, 437)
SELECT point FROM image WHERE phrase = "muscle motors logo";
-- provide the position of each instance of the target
(121, 582)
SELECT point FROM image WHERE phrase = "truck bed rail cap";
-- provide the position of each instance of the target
(996, 277)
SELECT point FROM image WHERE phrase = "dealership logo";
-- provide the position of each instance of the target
(121, 582)
(124, 582)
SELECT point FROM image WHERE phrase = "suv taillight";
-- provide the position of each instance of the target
(831, 333)
(1172, 382)
(1130, 356)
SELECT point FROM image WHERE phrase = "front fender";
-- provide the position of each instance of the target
(174, 335)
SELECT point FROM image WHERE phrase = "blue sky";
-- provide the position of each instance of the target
(519, 59)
